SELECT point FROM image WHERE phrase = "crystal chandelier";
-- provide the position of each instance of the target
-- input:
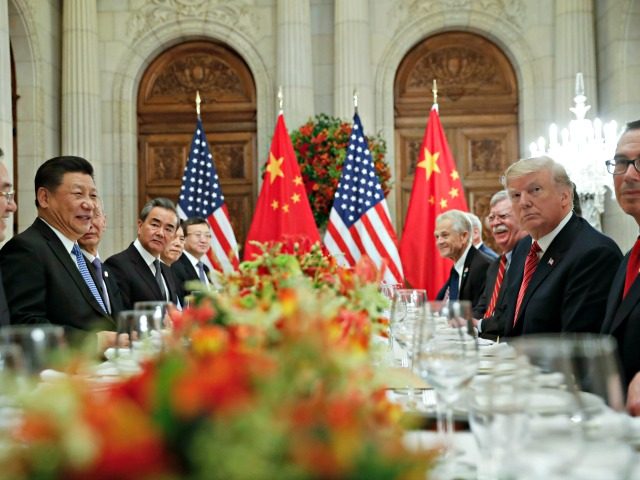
(582, 148)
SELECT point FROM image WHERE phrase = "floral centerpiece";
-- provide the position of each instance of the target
(276, 383)
(320, 146)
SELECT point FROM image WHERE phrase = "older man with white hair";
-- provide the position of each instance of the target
(453, 239)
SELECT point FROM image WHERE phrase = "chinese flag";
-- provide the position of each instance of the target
(436, 188)
(283, 210)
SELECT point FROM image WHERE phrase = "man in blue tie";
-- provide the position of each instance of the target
(468, 274)
(45, 276)
(7, 206)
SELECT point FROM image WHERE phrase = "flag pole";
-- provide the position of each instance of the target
(435, 95)
(280, 100)
(198, 103)
(355, 100)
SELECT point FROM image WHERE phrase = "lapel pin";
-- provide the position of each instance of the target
(551, 262)
(106, 274)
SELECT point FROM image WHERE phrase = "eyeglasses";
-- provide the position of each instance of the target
(200, 235)
(9, 195)
(618, 166)
(501, 216)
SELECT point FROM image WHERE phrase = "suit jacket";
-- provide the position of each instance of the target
(568, 290)
(622, 321)
(43, 284)
(474, 275)
(115, 297)
(135, 280)
(184, 271)
(5, 318)
(488, 251)
(492, 327)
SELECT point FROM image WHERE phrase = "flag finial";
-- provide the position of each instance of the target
(198, 103)
(435, 92)
(280, 99)
(355, 100)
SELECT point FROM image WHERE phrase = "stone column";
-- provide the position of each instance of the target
(353, 63)
(575, 51)
(80, 80)
(6, 120)
(295, 66)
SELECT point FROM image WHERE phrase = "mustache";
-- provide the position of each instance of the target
(500, 229)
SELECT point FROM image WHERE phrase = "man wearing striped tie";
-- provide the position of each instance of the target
(45, 275)
(506, 232)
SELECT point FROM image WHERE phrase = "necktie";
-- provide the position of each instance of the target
(496, 287)
(201, 274)
(156, 263)
(97, 264)
(86, 276)
(453, 284)
(632, 267)
(530, 265)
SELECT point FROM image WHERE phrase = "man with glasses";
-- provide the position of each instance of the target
(560, 274)
(192, 265)
(45, 275)
(7, 207)
(140, 274)
(622, 319)
(506, 231)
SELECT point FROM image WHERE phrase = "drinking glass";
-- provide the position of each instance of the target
(41, 345)
(160, 309)
(446, 356)
(388, 290)
(139, 331)
(12, 380)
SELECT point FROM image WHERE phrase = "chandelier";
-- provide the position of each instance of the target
(582, 148)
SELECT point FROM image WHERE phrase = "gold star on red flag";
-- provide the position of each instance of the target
(285, 208)
(430, 163)
(295, 198)
(453, 193)
(275, 167)
(297, 181)
(454, 175)
(432, 200)
(443, 203)
(274, 204)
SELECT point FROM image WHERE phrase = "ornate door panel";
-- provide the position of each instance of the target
(477, 96)
(167, 119)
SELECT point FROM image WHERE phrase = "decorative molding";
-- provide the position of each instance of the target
(156, 14)
(230, 161)
(487, 155)
(513, 11)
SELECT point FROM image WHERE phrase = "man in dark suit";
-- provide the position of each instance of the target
(105, 280)
(506, 231)
(560, 275)
(192, 264)
(139, 272)
(7, 206)
(45, 276)
(622, 318)
(453, 239)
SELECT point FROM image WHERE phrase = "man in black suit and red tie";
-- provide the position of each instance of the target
(560, 274)
(45, 275)
(622, 319)
(453, 239)
(506, 232)
(139, 272)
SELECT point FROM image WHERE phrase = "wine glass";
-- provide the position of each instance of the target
(41, 345)
(138, 337)
(407, 307)
(576, 429)
(160, 309)
(388, 291)
(446, 357)
(12, 380)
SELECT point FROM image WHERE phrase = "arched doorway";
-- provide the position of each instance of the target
(478, 99)
(167, 118)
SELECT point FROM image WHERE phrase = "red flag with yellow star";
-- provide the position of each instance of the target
(436, 188)
(282, 212)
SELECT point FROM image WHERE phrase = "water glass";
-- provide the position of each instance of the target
(139, 336)
(41, 345)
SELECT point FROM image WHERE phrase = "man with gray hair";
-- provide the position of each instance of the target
(476, 236)
(453, 239)
(140, 274)
(561, 273)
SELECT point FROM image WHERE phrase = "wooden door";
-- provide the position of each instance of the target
(167, 119)
(478, 100)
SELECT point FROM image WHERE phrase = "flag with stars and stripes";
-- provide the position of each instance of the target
(359, 222)
(201, 196)
(436, 188)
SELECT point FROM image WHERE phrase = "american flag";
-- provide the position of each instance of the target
(201, 196)
(359, 222)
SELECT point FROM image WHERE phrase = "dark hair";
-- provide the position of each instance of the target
(161, 202)
(577, 208)
(51, 172)
(193, 221)
(635, 125)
